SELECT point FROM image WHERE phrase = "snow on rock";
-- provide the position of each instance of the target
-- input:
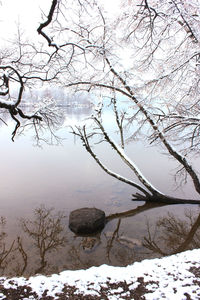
(173, 277)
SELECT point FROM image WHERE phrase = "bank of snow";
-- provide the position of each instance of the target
(172, 277)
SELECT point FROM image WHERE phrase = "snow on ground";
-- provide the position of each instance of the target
(173, 277)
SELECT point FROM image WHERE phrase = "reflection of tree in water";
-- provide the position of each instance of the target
(173, 235)
(117, 247)
(5, 251)
(46, 230)
(46, 250)
(13, 258)
(81, 251)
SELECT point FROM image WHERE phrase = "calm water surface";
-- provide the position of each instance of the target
(41, 186)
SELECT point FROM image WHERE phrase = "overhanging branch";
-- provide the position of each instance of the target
(46, 23)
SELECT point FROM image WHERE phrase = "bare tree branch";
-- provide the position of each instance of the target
(47, 22)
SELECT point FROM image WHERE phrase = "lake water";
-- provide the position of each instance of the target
(39, 182)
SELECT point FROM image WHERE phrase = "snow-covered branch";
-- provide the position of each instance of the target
(177, 156)
(149, 192)
(81, 132)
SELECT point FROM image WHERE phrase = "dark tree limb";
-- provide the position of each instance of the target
(46, 23)
(12, 106)
(23, 116)
(163, 199)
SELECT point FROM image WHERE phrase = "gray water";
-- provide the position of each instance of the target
(65, 177)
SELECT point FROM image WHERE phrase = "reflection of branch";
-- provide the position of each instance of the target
(140, 209)
(152, 245)
(189, 237)
(43, 264)
(74, 253)
(110, 242)
(23, 254)
(5, 253)
(46, 231)
(149, 242)
(135, 211)
(175, 231)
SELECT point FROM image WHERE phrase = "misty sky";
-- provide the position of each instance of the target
(27, 13)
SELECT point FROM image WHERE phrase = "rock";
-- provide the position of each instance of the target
(87, 220)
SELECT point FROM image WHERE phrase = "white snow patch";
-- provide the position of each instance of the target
(168, 278)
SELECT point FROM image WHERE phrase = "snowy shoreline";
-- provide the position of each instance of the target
(173, 277)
